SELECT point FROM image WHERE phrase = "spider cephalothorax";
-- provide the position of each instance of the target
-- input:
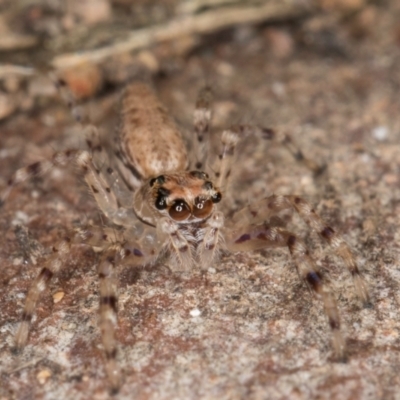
(186, 197)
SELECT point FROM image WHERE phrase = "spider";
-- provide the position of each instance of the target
(163, 205)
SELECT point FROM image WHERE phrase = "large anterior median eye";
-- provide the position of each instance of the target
(179, 210)
(202, 207)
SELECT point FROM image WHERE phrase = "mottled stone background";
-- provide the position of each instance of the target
(250, 329)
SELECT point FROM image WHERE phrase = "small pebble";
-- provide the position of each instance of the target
(278, 89)
(195, 312)
(43, 375)
(21, 218)
(380, 133)
(57, 297)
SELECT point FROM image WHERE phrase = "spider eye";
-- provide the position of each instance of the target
(208, 185)
(199, 174)
(216, 198)
(161, 202)
(160, 180)
(202, 208)
(179, 211)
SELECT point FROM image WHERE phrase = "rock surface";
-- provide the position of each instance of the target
(249, 329)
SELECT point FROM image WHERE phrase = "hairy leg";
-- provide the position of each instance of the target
(264, 209)
(201, 123)
(265, 236)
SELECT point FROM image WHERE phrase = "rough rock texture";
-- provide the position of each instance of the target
(249, 329)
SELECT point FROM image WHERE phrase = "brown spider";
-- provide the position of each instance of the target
(168, 207)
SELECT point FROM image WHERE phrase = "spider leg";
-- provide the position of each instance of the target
(335, 240)
(119, 252)
(95, 179)
(211, 243)
(265, 236)
(201, 123)
(101, 160)
(284, 139)
(67, 96)
(299, 156)
(64, 158)
(51, 267)
(231, 137)
(129, 252)
(229, 141)
(264, 209)
(94, 236)
(96, 144)
(108, 311)
(180, 245)
(102, 192)
(180, 248)
(60, 159)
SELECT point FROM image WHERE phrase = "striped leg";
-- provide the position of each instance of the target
(94, 236)
(336, 241)
(121, 252)
(67, 96)
(59, 159)
(284, 139)
(208, 250)
(101, 190)
(101, 159)
(51, 267)
(96, 144)
(108, 312)
(261, 210)
(116, 255)
(181, 250)
(229, 140)
(96, 181)
(299, 156)
(201, 123)
(264, 236)
(264, 209)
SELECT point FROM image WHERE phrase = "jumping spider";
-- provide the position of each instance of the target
(161, 205)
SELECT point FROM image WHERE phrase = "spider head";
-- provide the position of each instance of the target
(185, 197)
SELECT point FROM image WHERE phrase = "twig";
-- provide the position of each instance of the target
(14, 41)
(193, 6)
(26, 365)
(204, 23)
(10, 70)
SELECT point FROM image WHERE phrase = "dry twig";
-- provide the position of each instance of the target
(205, 23)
